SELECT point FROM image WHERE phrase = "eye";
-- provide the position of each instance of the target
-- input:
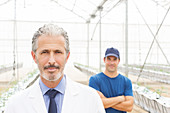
(44, 52)
(108, 58)
(58, 52)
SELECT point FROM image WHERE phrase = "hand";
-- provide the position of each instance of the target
(101, 94)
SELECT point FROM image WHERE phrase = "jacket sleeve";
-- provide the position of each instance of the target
(99, 108)
(9, 107)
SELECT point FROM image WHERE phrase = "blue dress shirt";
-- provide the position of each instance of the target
(59, 97)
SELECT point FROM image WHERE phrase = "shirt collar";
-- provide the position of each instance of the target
(60, 87)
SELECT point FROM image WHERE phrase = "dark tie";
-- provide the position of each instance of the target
(52, 106)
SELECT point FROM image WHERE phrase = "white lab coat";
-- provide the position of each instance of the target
(78, 98)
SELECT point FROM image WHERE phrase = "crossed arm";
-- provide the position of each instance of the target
(122, 103)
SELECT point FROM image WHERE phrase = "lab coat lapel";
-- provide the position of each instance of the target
(36, 98)
(70, 97)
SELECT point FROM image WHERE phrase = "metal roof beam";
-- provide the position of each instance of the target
(99, 7)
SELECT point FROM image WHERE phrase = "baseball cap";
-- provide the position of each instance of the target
(112, 52)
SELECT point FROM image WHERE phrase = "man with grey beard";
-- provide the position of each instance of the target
(54, 92)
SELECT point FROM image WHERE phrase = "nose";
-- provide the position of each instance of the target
(51, 59)
(112, 62)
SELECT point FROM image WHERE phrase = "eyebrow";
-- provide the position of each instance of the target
(113, 58)
(57, 50)
(44, 50)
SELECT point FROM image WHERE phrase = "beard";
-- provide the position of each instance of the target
(52, 77)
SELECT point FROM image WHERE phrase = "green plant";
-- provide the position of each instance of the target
(160, 91)
(148, 87)
(161, 70)
(138, 83)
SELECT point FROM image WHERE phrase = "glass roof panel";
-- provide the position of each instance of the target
(79, 10)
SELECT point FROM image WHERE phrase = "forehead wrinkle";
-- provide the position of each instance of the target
(50, 42)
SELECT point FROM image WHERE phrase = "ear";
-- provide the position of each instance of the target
(68, 56)
(118, 61)
(104, 59)
(34, 56)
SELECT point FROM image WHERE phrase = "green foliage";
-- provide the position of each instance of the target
(160, 91)
(138, 83)
(148, 87)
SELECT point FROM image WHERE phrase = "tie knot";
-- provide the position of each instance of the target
(52, 93)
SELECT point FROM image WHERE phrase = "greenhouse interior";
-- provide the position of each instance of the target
(139, 29)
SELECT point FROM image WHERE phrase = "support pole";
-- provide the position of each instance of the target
(14, 41)
(100, 44)
(88, 43)
(126, 40)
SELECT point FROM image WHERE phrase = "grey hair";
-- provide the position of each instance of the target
(50, 30)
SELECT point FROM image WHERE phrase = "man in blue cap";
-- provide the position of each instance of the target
(114, 89)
